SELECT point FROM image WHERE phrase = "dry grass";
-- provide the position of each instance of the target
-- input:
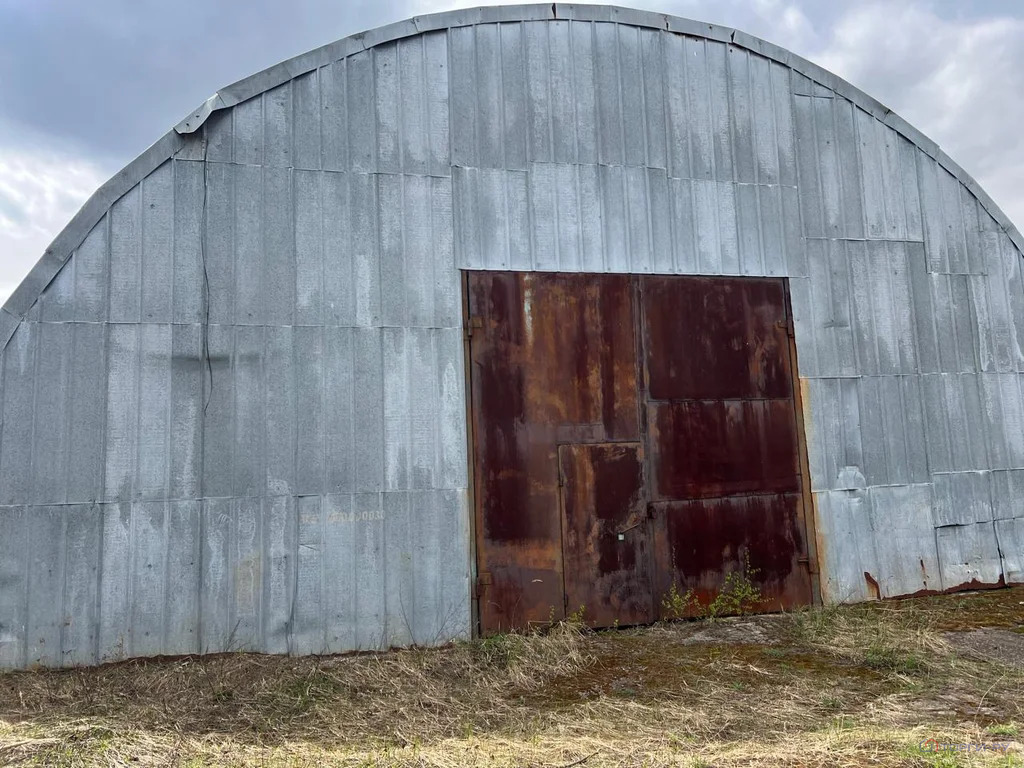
(854, 686)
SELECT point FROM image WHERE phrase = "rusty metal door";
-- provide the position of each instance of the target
(630, 433)
(552, 362)
(723, 443)
(605, 534)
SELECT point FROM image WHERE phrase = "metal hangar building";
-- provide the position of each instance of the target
(476, 319)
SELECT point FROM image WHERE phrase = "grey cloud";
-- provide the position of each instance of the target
(115, 75)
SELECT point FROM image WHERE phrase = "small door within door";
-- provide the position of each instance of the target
(606, 552)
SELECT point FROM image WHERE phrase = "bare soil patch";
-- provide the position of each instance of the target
(1003, 646)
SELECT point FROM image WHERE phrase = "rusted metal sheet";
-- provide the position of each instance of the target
(758, 537)
(708, 448)
(722, 438)
(614, 398)
(553, 361)
(733, 334)
(605, 545)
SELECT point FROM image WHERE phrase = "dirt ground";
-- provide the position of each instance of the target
(935, 681)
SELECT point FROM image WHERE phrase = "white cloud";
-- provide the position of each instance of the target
(958, 81)
(40, 190)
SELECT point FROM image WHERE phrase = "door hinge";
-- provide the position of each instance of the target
(787, 326)
(483, 580)
(473, 324)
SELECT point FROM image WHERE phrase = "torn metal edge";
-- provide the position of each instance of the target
(59, 251)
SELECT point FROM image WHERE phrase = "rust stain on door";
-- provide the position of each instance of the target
(630, 433)
(723, 442)
(606, 552)
(553, 360)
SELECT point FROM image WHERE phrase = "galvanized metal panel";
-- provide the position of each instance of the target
(279, 126)
(125, 262)
(834, 442)
(122, 421)
(57, 303)
(968, 556)
(310, 237)
(310, 405)
(189, 249)
(152, 449)
(306, 116)
(398, 579)
(219, 246)
(360, 92)
(276, 427)
(846, 542)
(1003, 411)
(1007, 489)
(699, 122)
(45, 580)
(245, 571)
(15, 550)
(339, 414)
(370, 586)
(338, 573)
(115, 627)
(247, 132)
(182, 578)
(277, 568)
(1010, 539)
(276, 218)
(996, 302)
(830, 308)
(81, 598)
(157, 267)
(248, 471)
(52, 403)
(147, 587)
(217, 577)
(368, 409)
(961, 498)
(907, 560)
(218, 412)
(308, 607)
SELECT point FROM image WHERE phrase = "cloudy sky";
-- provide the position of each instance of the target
(85, 87)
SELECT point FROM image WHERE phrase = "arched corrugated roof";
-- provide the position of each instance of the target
(177, 139)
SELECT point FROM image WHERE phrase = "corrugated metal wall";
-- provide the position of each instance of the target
(236, 417)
